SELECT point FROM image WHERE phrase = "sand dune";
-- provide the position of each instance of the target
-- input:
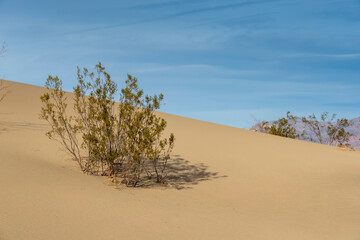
(227, 183)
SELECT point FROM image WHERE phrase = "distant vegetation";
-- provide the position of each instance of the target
(325, 129)
(3, 89)
(122, 141)
(2, 49)
(282, 127)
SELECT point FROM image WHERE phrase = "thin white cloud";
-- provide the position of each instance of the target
(328, 56)
(153, 67)
(163, 68)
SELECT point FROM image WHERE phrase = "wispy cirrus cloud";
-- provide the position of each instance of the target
(335, 56)
(161, 4)
(174, 69)
(180, 14)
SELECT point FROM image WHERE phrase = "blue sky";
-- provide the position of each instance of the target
(228, 62)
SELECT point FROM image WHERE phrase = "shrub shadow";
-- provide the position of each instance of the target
(181, 174)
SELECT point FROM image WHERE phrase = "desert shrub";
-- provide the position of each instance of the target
(259, 126)
(327, 131)
(122, 141)
(283, 127)
(3, 89)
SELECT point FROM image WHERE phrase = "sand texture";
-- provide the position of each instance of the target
(227, 183)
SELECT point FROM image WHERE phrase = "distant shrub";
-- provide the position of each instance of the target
(326, 131)
(122, 141)
(283, 127)
(3, 89)
(2, 49)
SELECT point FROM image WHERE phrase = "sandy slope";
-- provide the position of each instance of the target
(230, 184)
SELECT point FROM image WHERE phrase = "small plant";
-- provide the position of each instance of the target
(259, 126)
(283, 127)
(3, 88)
(122, 141)
(2, 49)
(326, 130)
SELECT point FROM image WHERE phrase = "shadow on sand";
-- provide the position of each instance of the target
(181, 174)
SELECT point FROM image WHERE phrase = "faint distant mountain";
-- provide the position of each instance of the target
(355, 129)
(300, 127)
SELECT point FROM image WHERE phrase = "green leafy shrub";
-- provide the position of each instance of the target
(283, 127)
(327, 131)
(122, 141)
